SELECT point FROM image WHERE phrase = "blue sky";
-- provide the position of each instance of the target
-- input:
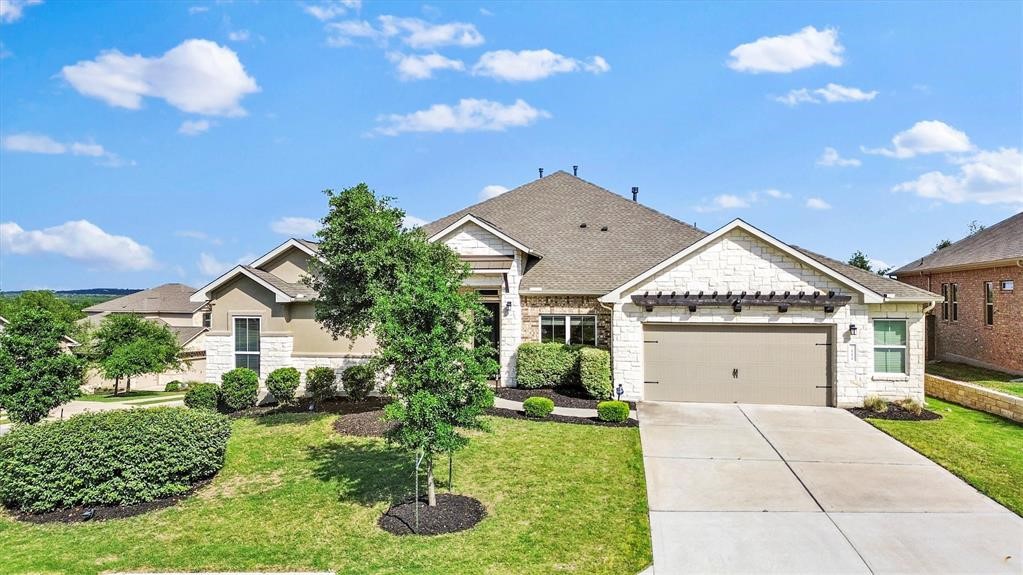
(144, 143)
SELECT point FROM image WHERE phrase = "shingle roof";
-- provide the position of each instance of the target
(168, 298)
(1002, 241)
(547, 214)
(186, 333)
(870, 280)
(295, 290)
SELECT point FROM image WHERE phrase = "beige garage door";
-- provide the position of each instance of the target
(731, 363)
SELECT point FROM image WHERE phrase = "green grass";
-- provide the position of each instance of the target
(984, 450)
(109, 397)
(995, 380)
(295, 496)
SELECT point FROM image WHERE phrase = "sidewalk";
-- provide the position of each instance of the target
(75, 407)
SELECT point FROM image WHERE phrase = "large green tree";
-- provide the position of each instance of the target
(127, 345)
(64, 310)
(37, 373)
(376, 277)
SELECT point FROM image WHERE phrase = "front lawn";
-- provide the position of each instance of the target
(293, 495)
(995, 380)
(983, 449)
(109, 397)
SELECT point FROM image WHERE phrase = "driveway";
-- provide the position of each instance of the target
(759, 489)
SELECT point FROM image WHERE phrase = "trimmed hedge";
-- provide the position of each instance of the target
(616, 411)
(538, 407)
(239, 389)
(595, 372)
(282, 383)
(175, 386)
(110, 458)
(358, 381)
(202, 396)
(547, 365)
(321, 383)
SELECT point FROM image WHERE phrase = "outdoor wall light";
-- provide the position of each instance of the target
(620, 391)
(649, 308)
(852, 329)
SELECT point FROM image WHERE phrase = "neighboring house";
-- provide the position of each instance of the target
(168, 304)
(731, 316)
(980, 278)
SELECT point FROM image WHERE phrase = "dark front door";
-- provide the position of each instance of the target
(491, 327)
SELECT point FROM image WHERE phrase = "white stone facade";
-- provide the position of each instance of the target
(740, 262)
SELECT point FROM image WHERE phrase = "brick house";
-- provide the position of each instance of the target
(980, 321)
(734, 315)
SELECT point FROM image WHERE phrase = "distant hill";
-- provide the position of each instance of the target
(104, 292)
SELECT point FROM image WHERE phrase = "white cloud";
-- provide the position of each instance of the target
(485, 12)
(783, 54)
(877, 265)
(196, 76)
(492, 191)
(831, 158)
(817, 204)
(529, 65)
(421, 66)
(209, 265)
(987, 177)
(42, 144)
(194, 127)
(927, 137)
(13, 10)
(832, 93)
(198, 9)
(295, 226)
(469, 115)
(776, 194)
(733, 201)
(413, 222)
(413, 32)
(78, 240)
(197, 235)
(239, 35)
(4, 52)
(329, 10)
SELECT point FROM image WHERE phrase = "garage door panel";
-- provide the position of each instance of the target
(733, 363)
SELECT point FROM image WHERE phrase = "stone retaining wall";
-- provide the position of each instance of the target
(975, 396)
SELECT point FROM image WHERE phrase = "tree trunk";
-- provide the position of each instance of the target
(127, 385)
(117, 384)
(431, 491)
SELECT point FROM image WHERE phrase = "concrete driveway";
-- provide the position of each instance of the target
(779, 489)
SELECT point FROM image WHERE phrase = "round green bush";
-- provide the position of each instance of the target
(239, 388)
(282, 383)
(118, 457)
(595, 372)
(616, 411)
(174, 386)
(358, 381)
(538, 407)
(202, 396)
(547, 365)
(321, 383)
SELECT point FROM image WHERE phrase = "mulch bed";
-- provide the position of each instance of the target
(105, 512)
(894, 412)
(363, 424)
(338, 406)
(515, 414)
(452, 514)
(562, 397)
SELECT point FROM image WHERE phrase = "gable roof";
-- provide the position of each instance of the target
(284, 291)
(310, 248)
(892, 289)
(547, 215)
(167, 298)
(467, 218)
(1002, 242)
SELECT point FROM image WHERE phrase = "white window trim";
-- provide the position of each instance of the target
(904, 347)
(234, 340)
(568, 325)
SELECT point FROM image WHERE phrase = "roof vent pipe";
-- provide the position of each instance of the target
(635, 193)
(541, 172)
(575, 170)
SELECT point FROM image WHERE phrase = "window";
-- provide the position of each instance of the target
(571, 329)
(207, 319)
(246, 342)
(955, 301)
(989, 303)
(944, 302)
(889, 346)
(1007, 285)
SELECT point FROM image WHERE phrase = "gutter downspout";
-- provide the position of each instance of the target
(610, 342)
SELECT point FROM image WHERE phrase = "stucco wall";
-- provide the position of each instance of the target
(739, 262)
(290, 266)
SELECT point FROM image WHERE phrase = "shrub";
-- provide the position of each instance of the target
(202, 396)
(911, 405)
(595, 372)
(175, 386)
(616, 411)
(876, 403)
(110, 458)
(547, 365)
(538, 407)
(283, 382)
(320, 382)
(358, 381)
(239, 389)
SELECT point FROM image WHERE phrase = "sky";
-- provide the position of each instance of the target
(151, 142)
